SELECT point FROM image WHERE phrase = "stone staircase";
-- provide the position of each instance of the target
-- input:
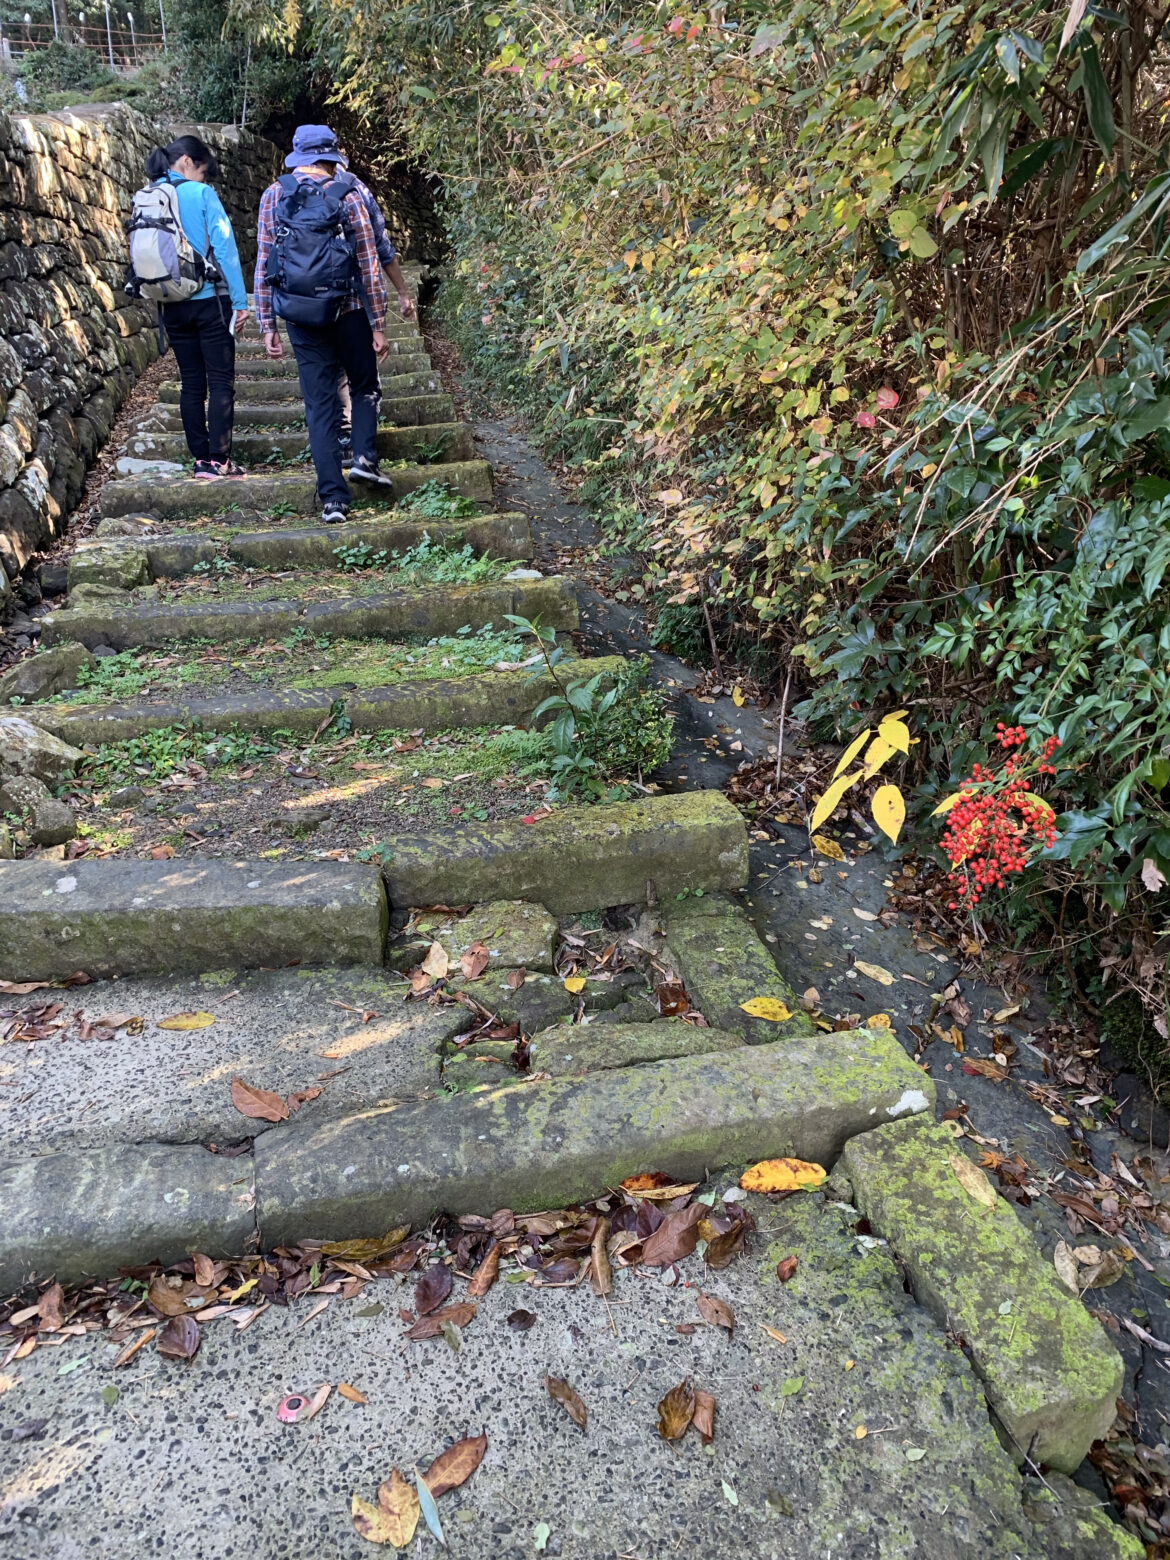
(297, 773)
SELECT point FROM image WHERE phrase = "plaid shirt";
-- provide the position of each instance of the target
(367, 256)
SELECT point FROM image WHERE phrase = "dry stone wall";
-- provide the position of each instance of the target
(72, 343)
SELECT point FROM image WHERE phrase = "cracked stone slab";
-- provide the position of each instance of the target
(1050, 1373)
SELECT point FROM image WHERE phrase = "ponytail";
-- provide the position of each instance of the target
(163, 158)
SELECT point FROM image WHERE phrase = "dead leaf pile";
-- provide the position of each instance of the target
(683, 1406)
(395, 1516)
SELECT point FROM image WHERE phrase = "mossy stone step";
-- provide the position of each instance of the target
(133, 917)
(582, 858)
(428, 704)
(553, 1143)
(269, 388)
(127, 562)
(399, 338)
(395, 614)
(722, 963)
(455, 440)
(190, 497)
(286, 367)
(1051, 1375)
(402, 411)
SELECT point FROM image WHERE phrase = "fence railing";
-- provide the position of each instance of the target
(121, 47)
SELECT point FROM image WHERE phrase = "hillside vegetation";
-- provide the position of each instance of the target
(854, 316)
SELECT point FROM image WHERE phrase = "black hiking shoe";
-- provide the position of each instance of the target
(334, 512)
(364, 470)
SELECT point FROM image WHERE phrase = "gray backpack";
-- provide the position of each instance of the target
(164, 265)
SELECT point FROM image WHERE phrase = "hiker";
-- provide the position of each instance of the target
(317, 269)
(183, 255)
(388, 260)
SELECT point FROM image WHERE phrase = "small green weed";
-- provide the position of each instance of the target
(436, 501)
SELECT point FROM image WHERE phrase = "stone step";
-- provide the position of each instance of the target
(272, 388)
(399, 338)
(426, 704)
(453, 440)
(401, 411)
(584, 858)
(544, 1145)
(1051, 1375)
(126, 562)
(393, 614)
(286, 367)
(178, 498)
(132, 917)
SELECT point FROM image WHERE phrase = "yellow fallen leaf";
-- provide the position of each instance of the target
(896, 733)
(770, 1008)
(774, 1332)
(889, 810)
(187, 1021)
(630, 258)
(574, 983)
(238, 1294)
(671, 497)
(849, 1364)
(851, 753)
(433, 782)
(875, 972)
(832, 796)
(973, 1181)
(737, 698)
(878, 1021)
(828, 847)
(1059, 1121)
(782, 1175)
(861, 1432)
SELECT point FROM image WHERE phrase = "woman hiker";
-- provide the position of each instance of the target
(199, 328)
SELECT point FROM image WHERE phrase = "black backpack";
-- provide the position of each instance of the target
(312, 264)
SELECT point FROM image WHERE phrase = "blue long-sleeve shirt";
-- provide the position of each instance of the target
(209, 229)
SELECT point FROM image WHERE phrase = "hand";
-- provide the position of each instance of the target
(273, 344)
(239, 320)
(379, 345)
(405, 306)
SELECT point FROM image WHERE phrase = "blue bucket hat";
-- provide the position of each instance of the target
(314, 143)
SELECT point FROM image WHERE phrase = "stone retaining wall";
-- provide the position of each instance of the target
(72, 344)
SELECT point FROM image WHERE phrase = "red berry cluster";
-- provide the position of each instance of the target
(993, 831)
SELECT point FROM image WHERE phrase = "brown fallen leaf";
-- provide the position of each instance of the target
(474, 961)
(723, 1249)
(515, 979)
(175, 1299)
(676, 1411)
(21, 988)
(162, 852)
(395, 1517)
(568, 1399)
(668, 1192)
(600, 1272)
(350, 1394)
(207, 1273)
(455, 1466)
(50, 1308)
(117, 1020)
(431, 1326)
(420, 981)
(302, 1097)
(785, 1268)
(715, 1311)
(258, 1104)
(1103, 1273)
(133, 1347)
(179, 1339)
(984, 1067)
(432, 1288)
(436, 964)
(485, 1274)
(774, 1332)
(521, 1321)
(704, 1415)
(676, 1237)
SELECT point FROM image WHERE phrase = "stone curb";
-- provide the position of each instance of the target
(583, 859)
(429, 704)
(180, 917)
(85, 1215)
(1050, 1373)
(188, 497)
(392, 615)
(548, 1144)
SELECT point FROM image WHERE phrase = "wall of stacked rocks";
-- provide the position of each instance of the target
(72, 344)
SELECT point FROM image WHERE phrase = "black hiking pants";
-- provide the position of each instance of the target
(205, 351)
(324, 353)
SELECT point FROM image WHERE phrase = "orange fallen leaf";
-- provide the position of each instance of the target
(782, 1175)
(350, 1394)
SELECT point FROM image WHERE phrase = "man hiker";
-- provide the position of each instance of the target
(317, 269)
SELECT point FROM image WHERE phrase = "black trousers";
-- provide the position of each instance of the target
(324, 353)
(205, 351)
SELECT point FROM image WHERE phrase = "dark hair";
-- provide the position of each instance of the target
(190, 146)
